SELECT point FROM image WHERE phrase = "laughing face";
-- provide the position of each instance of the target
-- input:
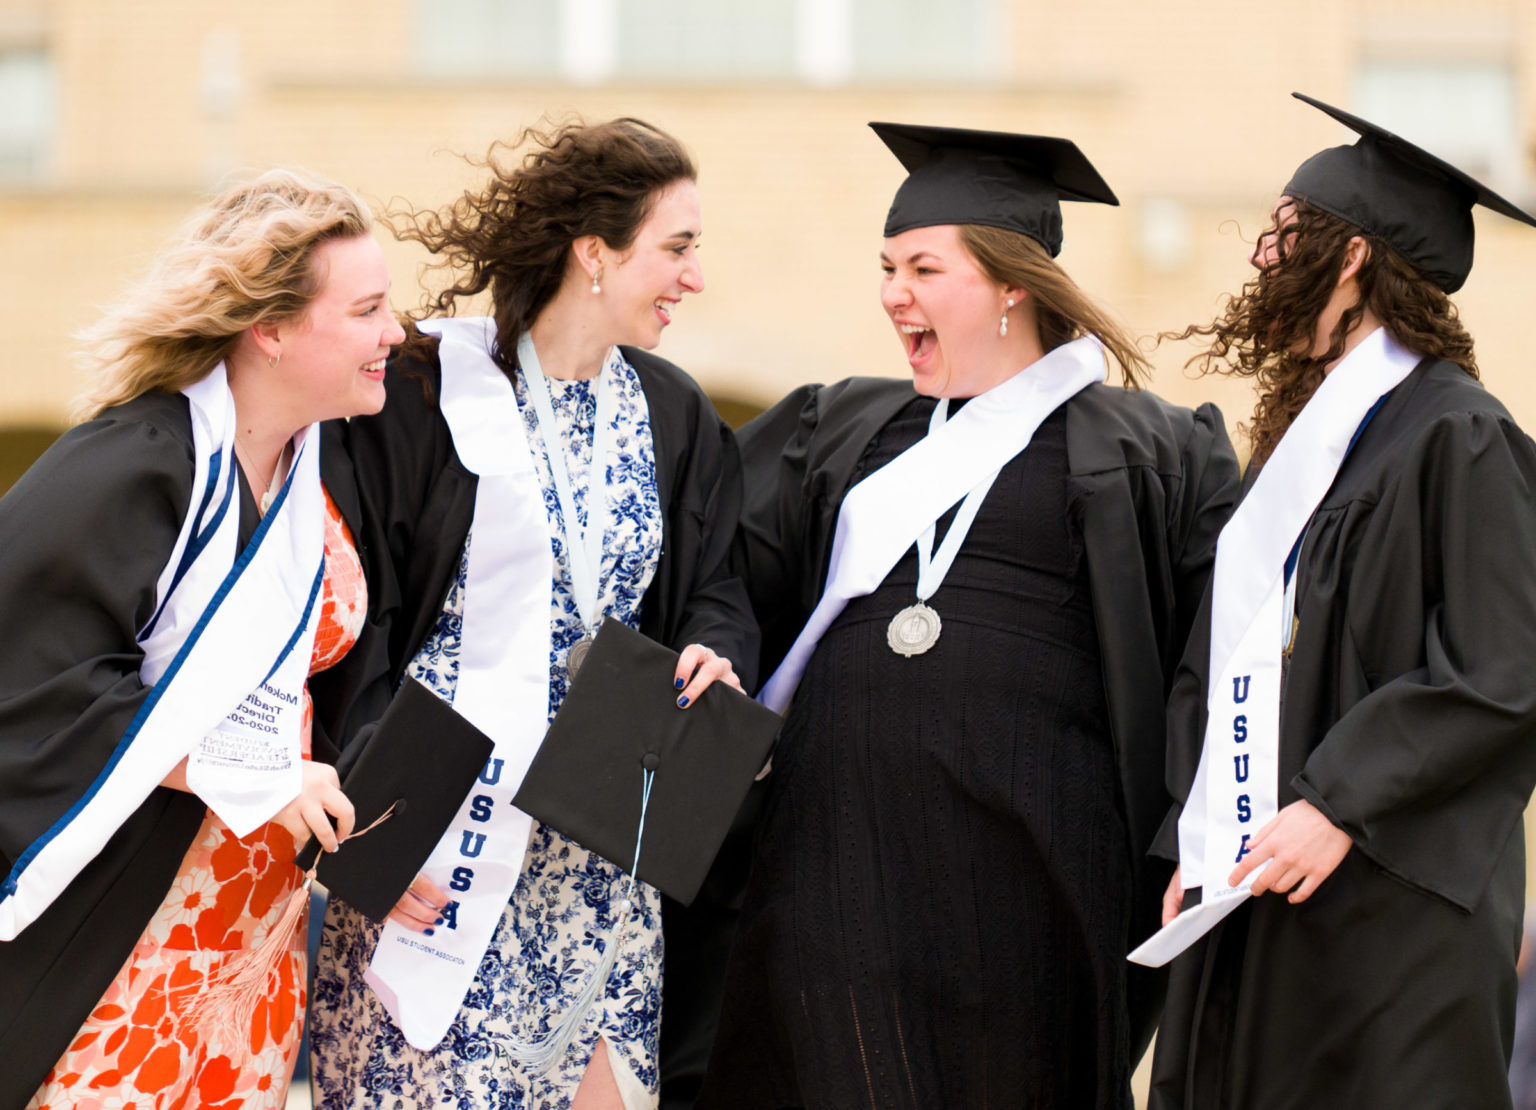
(944, 308)
(643, 285)
(332, 361)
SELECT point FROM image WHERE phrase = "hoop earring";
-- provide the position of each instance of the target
(1002, 328)
(273, 360)
(596, 288)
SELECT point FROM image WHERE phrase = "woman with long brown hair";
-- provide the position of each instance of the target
(951, 861)
(1351, 732)
(171, 571)
(535, 472)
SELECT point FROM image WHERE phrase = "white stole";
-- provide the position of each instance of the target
(226, 654)
(1236, 785)
(883, 515)
(503, 689)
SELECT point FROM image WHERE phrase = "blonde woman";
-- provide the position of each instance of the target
(171, 570)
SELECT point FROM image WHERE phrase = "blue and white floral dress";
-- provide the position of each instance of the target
(545, 948)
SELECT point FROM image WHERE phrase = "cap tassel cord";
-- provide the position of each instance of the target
(228, 1006)
(541, 1055)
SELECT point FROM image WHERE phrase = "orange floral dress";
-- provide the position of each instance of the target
(137, 1049)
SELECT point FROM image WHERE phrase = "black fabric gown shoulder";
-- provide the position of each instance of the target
(1408, 718)
(950, 862)
(84, 536)
(418, 502)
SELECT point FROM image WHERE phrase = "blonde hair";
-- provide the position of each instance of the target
(1063, 311)
(245, 258)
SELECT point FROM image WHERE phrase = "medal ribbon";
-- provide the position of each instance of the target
(583, 547)
(931, 571)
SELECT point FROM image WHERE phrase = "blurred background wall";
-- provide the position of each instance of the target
(117, 117)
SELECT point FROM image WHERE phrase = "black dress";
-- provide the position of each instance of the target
(932, 826)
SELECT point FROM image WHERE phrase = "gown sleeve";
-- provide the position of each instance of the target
(1211, 481)
(1431, 771)
(772, 555)
(84, 536)
(714, 611)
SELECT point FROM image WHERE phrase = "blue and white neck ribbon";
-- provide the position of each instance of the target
(503, 687)
(884, 515)
(1236, 786)
(226, 654)
(583, 546)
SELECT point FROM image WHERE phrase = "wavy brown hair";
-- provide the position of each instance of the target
(1063, 311)
(1277, 314)
(247, 257)
(513, 236)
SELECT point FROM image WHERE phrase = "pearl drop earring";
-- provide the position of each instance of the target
(1002, 329)
(596, 288)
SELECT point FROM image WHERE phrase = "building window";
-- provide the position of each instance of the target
(1462, 110)
(488, 38)
(825, 42)
(29, 97)
(705, 40)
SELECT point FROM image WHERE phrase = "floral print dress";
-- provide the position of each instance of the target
(139, 1049)
(546, 946)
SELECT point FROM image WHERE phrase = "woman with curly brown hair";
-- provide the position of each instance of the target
(535, 472)
(974, 586)
(1351, 733)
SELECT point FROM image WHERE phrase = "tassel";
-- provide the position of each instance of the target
(541, 1055)
(227, 1008)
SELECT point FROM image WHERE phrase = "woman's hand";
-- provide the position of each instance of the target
(1173, 897)
(421, 906)
(703, 667)
(320, 795)
(1305, 847)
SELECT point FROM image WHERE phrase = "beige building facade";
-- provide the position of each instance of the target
(117, 116)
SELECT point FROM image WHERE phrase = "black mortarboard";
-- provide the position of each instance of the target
(993, 178)
(620, 720)
(422, 759)
(1387, 186)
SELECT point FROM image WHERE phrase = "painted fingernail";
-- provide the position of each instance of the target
(678, 684)
(439, 921)
(682, 702)
(428, 932)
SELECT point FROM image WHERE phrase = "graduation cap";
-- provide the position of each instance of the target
(418, 766)
(993, 178)
(627, 774)
(1399, 192)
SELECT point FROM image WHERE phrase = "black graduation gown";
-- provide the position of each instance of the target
(1152, 485)
(1408, 717)
(84, 536)
(418, 502)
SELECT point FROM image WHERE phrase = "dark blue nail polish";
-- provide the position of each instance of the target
(679, 684)
(682, 702)
(439, 921)
(428, 932)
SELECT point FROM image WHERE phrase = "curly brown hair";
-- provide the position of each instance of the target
(514, 235)
(1063, 311)
(1277, 314)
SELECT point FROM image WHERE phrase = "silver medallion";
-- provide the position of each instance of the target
(913, 630)
(577, 655)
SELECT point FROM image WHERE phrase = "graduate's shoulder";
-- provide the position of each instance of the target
(1443, 408)
(667, 383)
(131, 460)
(1109, 427)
